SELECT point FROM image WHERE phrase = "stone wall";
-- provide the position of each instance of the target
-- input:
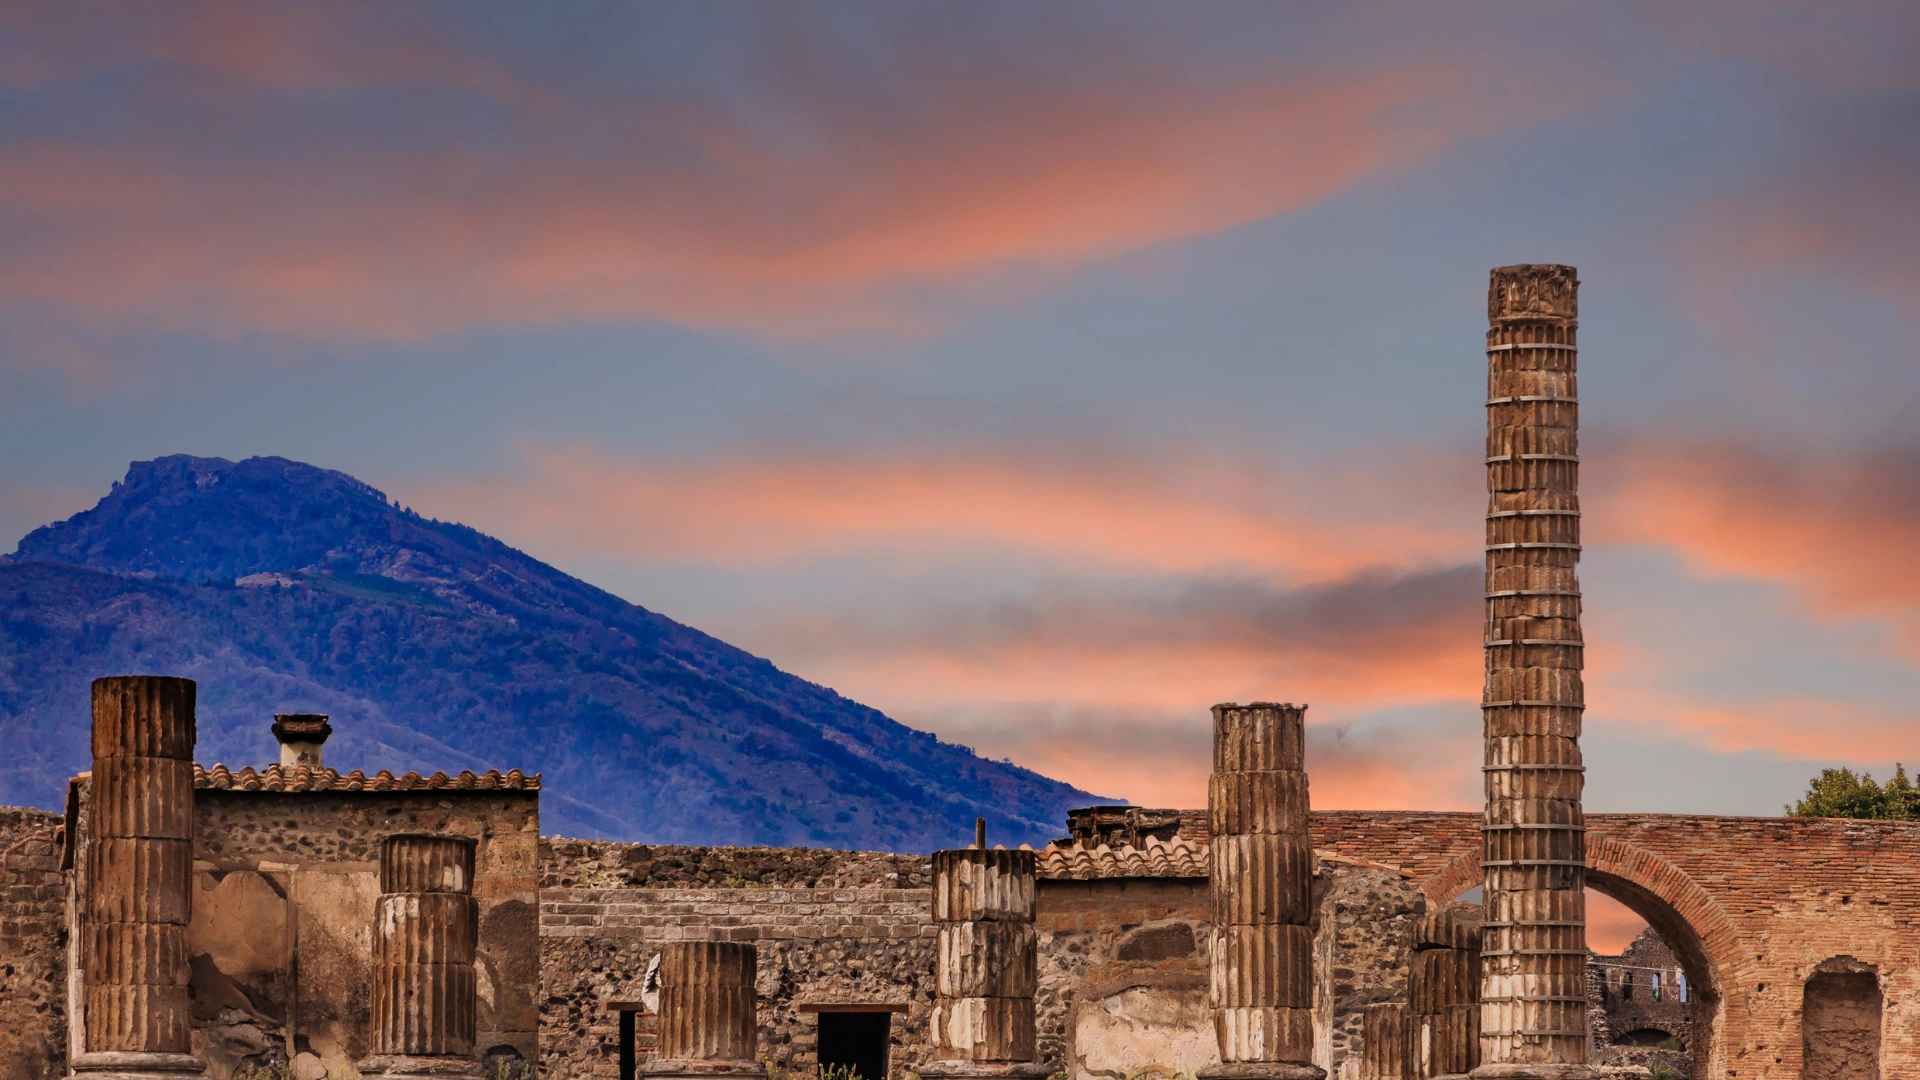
(281, 938)
(282, 922)
(831, 926)
(1123, 977)
(1362, 948)
(33, 947)
(566, 863)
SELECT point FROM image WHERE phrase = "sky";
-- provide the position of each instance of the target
(1039, 374)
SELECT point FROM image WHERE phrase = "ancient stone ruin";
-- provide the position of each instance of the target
(295, 921)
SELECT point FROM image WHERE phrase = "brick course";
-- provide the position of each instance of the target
(1749, 905)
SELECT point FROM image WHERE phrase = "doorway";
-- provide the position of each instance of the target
(855, 1044)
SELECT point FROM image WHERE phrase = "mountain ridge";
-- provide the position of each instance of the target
(287, 587)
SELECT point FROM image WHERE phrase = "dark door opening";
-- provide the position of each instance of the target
(855, 1044)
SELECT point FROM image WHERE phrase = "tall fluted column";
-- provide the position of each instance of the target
(425, 928)
(1533, 990)
(1262, 867)
(139, 873)
(708, 1022)
(986, 964)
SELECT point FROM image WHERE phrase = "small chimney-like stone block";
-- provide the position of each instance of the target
(1261, 965)
(139, 864)
(708, 1020)
(426, 927)
(986, 964)
(301, 736)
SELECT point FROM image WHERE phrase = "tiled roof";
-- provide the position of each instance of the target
(306, 778)
(1179, 858)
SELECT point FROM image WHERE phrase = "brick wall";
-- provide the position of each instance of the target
(1750, 906)
(33, 943)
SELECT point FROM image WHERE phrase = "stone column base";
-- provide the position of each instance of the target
(1262, 1070)
(693, 1069)
(137, 1065)
(441, 1066)
(982, 1070)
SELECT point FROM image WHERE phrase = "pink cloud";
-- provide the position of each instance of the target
(680, 209)
(1840, 532)
(1087, 510)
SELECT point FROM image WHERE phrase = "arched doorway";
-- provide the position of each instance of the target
(1694, 927)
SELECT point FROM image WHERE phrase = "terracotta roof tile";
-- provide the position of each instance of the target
(301, 778)
(1178, 858)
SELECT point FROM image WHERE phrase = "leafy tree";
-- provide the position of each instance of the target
(1840, 793)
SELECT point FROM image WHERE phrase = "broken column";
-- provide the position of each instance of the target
(139, 872)
(707, 1017)
(425, 928)
(986, 964)
(1262, 866)
(1443, 992)
(1383, 1051)
(1533, 990)
(301, 735)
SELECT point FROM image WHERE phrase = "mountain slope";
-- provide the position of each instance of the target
(284, 587)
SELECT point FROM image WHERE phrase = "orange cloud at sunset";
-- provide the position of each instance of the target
(1840, 533)
(1106, 510)
(680, 208)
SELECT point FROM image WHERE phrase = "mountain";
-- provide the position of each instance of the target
(282, 587)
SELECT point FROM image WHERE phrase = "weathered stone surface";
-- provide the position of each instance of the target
(985, 959)
(985, 1029)
(299, 872)
(148, 716)
(139, 860)
(1261, 878)
(983, 906)
(425, 928)
(1262, 965)
(33, 957)
(1261, 969)
(1363, 920)
(707, 1000)
(139, 881)
(143, 797)
(976, 885)
(1261, 737)
(426, 864)
(1385, 1035)
(424, 1000)
(1534, 842)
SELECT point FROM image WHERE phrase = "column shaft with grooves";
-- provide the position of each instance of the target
(986, 960)
(426, 927)
(1383, 1051)
(139, 865)
(1533, 990)
(707, 1001)
(1262, 946)
(1443, 993)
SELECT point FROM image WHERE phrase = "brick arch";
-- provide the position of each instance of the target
(1686, 916)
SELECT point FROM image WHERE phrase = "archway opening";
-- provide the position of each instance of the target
(1702, 985)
